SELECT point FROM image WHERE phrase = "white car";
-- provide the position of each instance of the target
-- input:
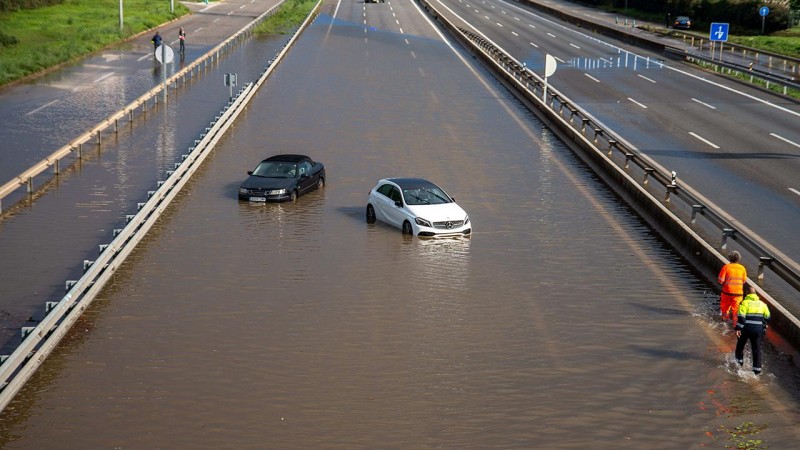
(418, 207)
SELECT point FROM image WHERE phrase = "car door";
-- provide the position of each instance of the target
(307, 181)
(383, 202)
(396, 214)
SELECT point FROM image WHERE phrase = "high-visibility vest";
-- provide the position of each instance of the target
(753, 314)
(732, 277)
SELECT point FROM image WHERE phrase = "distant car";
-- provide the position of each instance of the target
(682, 22)
(417, 207)
(374, 1)
(282, 177)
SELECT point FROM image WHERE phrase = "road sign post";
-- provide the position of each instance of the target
(230, 81)
(549, 69)
(718, 33)
(164, 55)
(763, 11)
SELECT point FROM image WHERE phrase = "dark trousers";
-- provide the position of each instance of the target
(755, 339)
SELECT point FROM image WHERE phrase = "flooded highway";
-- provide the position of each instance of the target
(563, 322)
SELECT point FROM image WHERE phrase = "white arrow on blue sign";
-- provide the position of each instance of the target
(719, 32)
(763, 11)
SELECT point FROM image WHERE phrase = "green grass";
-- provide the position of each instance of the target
(33, 40)
(291, 14)
(784, 42)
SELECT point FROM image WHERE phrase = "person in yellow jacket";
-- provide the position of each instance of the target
(732, 278)
(752, 324)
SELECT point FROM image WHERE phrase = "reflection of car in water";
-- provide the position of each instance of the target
(418, 207)
(682, 22)
(282, 177)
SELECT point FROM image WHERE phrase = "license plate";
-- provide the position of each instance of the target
(258, 199)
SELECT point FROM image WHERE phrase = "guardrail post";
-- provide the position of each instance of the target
(671, 188)
(696, 209)
(55, 166)
(726, 233)
(80, 151)
(647, 172)
(572, 113)
(98, 137)
(763, 261)
(584, 121)
(68, 285)
(597, 133)
(29, 183)
(49, 306)
(628, 158)
(611, 144)
(86, 264)
(25, 331)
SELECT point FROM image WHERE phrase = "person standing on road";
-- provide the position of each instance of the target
(156, 40)
(182, 39)
(732, 278)
(752, 325)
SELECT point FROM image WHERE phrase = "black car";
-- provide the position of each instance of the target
(282, 177)
(682, 22)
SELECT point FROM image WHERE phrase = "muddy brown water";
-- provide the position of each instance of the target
(564, 322)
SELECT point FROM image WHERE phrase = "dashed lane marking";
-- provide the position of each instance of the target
(704, 139)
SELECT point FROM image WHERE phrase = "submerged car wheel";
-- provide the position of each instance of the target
(370, 214)
(293, 196)
(407, 228)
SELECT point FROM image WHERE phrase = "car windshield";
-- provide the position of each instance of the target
(429, 195)
(276, 169)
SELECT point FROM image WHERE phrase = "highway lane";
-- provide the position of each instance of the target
(43, 114)
(299, 326)
(738, 146)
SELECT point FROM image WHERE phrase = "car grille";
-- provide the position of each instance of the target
(257, 192)
(448, 225)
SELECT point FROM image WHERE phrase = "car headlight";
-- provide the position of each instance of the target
(243, 190)
(277, 192)
(466, 219)
(422, 222)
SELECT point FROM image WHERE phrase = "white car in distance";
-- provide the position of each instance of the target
(417, 207)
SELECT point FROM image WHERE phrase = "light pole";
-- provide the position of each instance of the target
(120, 15)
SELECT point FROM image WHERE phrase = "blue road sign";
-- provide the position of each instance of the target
(763, 11)
(719, 32)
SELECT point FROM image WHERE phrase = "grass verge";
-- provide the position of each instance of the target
(34, 40)
(290, 14)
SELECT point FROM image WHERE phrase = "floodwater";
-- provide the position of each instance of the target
(563, 322)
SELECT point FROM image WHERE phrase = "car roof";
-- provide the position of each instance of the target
(410, 183)
(288, 158)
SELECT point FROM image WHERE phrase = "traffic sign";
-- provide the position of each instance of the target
(763, 11)
(719, 32)
(165, 52)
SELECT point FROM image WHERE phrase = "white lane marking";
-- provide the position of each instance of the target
(103, 77)
(413, 55)
(229, 13)
(503, 12)
(645, 78)
(43, 107)
(592, 78)
(401, 30)
(241, 7)
(551, 34)
(514, 33)
(476, 11)
(574, 46)
(499, 24)
(406, 39)
(144, 57)
(640, 104)
(559, 60)
(516, 18)
(487, 17)
(532, 25)
(785, 140)
(397, 21)
(198, 29)
(534, 45)
(216, 19)
(703, 139)
(795, 191)
(704, 103)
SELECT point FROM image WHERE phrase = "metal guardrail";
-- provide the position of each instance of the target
(76, 145)
(753, 75)
(611, 155)
(38, 342)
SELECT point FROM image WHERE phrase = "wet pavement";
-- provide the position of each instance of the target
(563, 322)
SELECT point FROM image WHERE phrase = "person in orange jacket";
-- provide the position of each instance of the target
(732, 278)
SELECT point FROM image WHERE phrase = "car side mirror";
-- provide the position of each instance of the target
(303, 176)
(398, 203)
(249, 172)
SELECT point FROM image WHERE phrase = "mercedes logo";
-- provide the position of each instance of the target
(448, 225)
